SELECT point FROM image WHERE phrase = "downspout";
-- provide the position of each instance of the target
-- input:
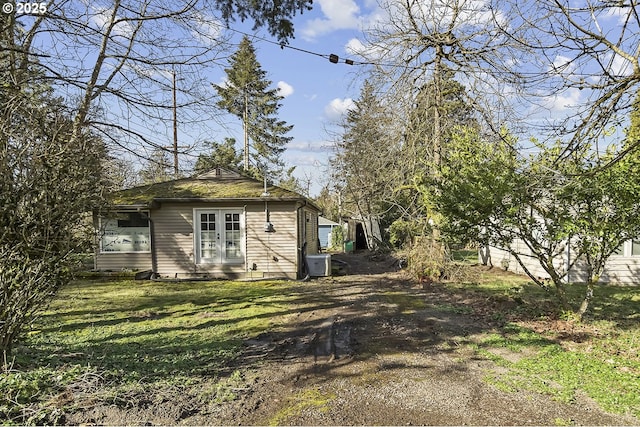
(154, 257)
(246, 243)
(302, 259)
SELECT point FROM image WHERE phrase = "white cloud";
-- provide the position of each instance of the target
(284, 89)
(620, 66)
(563, 101)
(337, 108)
(354, 47)
(338, 15)
(309, 146)
(562, 65)
(207, 28)
(103, 18)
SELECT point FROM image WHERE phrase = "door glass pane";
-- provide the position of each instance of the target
(232, 237)
(208, 244)
(208, 237)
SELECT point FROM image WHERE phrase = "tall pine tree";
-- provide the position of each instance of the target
(247, 96)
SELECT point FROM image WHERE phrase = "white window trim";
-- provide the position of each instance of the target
(197, 259)
(627, 250)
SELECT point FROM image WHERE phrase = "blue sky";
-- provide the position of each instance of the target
(316, 92)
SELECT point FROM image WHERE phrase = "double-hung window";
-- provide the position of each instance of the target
(219, 236)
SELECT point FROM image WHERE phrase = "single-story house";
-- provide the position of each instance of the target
(218, 224)
(623, 267)
(325, 227)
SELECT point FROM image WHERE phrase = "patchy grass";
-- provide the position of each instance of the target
(406, 304)
(467, 256)
(128, 335)
(123, 341)
(545, 351)
(298, 403)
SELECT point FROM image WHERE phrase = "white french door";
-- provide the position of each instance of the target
(219, 236)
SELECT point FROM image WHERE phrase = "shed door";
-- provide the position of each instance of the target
(219, 236)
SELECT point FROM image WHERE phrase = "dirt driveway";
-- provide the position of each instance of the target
(373, 348)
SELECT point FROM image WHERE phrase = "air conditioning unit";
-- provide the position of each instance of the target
(319, 265)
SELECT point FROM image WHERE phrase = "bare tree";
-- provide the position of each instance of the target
(417, 40)
(584, 54)
(71, 77)
(116, 60)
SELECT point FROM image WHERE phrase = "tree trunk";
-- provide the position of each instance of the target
(587, 298)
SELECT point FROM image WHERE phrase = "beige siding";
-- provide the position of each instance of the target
(618, 269)
(501, 257)
(311, 227)
(174, 242)
(123, 261)
(267, 254)
(275, 253)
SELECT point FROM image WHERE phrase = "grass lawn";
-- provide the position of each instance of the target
(123, 335)
(549, 353)
(112, 341)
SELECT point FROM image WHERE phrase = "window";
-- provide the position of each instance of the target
(619, 250)
(219, 236)
(635, 247)
(126, 232)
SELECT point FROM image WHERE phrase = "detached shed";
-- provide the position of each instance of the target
(219, 224)
(325, 227)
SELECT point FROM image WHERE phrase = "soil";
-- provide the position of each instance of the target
(368, 348)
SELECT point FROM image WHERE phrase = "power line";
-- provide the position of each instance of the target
(335, 59)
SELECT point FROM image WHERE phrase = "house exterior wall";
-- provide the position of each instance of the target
(502, 258)
(619, 269)
(266, 254)
(275, 254)
(311, 231)
(123, 261)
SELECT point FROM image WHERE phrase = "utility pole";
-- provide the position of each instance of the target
(176, 170)
(245, 118)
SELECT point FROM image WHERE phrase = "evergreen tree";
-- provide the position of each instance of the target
(366, 158)
(441, 102)
(222, 155)
(440, 106)
(248, 97)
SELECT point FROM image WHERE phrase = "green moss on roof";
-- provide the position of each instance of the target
(199, 188)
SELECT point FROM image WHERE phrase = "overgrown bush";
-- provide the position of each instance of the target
(402, 233)
(337, 237)
(429, 260)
